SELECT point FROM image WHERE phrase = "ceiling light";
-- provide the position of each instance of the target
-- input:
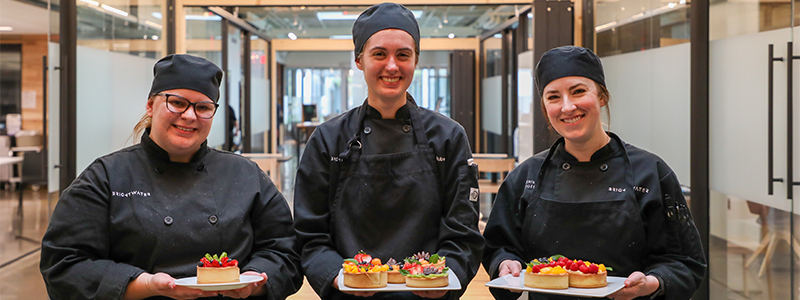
(90, 2)
(154, 37)
(6, 28)
(341, 37)
(292, 36)
(114, 10)
(153, 24)
(203, 18)
(451, 35)
(345, 15)
(156, 15)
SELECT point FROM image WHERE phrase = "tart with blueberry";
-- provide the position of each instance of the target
(217, 269)
(547, 273)
(393, 274)
(428, 276)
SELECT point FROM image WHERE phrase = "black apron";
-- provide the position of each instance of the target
(388, 205)
(593, 214)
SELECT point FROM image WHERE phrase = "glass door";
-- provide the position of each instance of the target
(752, 243)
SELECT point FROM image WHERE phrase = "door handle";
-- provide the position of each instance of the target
(790, 183)
(770, 116)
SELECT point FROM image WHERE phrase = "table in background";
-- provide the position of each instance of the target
(269, 163)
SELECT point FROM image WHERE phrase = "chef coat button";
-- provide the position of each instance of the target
(603, 167)
(566, 166)
(168, 220)
(367, 130)
(213, 219)
(406, 128)
(159, 170)
(201, 168)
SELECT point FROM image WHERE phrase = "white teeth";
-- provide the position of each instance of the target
(573, 120)
(184, 128)
(391, 79)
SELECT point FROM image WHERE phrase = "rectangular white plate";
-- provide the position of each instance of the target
(453, 284)
(518, 283)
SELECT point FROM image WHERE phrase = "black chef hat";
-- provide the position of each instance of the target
(183, 71)
(568, 61)
(384, 16)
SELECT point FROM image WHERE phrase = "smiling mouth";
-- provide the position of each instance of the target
(184, 128)
(572, 120)
(390, 80)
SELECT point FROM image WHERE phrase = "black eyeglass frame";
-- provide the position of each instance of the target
(191, 104)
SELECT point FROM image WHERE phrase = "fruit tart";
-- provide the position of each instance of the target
(393, 274)
(584, 274)
(428, 276)
(217, 269)
(363, 272)
(547, 273)
(424, 258)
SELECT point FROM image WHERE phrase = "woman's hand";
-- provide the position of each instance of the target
(253, 289)
(161, 284)
(636, 285)
(360, 294)
(510, 266)
(430, 294)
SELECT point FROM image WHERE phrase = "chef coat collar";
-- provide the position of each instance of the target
(402, 112)
(603, 153)
(155, 150)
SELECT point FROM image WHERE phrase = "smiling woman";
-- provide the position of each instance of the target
(106, 238)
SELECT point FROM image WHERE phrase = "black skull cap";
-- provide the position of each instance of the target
(384, 16)
(183, 71)
(568, 61)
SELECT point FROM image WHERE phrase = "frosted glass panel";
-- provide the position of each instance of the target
(54, 117)
(524, 135)
(650, 102)
(738, 118)
(112, 96)
(492, 104)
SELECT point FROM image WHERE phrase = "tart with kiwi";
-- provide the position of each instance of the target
(217, 269)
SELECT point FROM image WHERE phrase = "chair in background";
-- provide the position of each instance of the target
(494, 164)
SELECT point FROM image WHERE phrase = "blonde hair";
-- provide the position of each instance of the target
(144, 123)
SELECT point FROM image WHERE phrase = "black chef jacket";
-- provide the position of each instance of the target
(135, 211)
(672, 248)
(459, 239)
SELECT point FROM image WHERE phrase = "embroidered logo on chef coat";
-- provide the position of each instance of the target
(336, 159)
(616, 189)
(530, 184)
(128, 194)
(473, 194)
(440, 159)
(640, 189)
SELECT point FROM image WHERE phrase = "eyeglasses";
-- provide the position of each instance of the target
(179, 105)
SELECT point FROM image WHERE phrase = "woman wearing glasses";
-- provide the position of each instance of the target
(138, 219)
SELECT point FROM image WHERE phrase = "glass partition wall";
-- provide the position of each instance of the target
(753, 232)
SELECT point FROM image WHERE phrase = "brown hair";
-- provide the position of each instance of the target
(602, 93)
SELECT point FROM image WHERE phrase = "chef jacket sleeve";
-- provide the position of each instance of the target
(274, 239)
(503, 231)
(320, 260)
(75, 260)
(460, 241)
(676, 251)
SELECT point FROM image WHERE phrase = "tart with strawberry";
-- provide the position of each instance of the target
(428, 276)
(393, 274)
(217, 269)
(547, 273)
(363, 271)
(584, 274)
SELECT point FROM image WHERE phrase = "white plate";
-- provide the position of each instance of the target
(510, 282)
(191, 282)
(453, 284)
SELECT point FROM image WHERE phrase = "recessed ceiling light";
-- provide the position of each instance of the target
(6, 28)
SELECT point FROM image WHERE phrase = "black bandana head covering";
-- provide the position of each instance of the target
(384, 16)
(183, 71)
(568, 61)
